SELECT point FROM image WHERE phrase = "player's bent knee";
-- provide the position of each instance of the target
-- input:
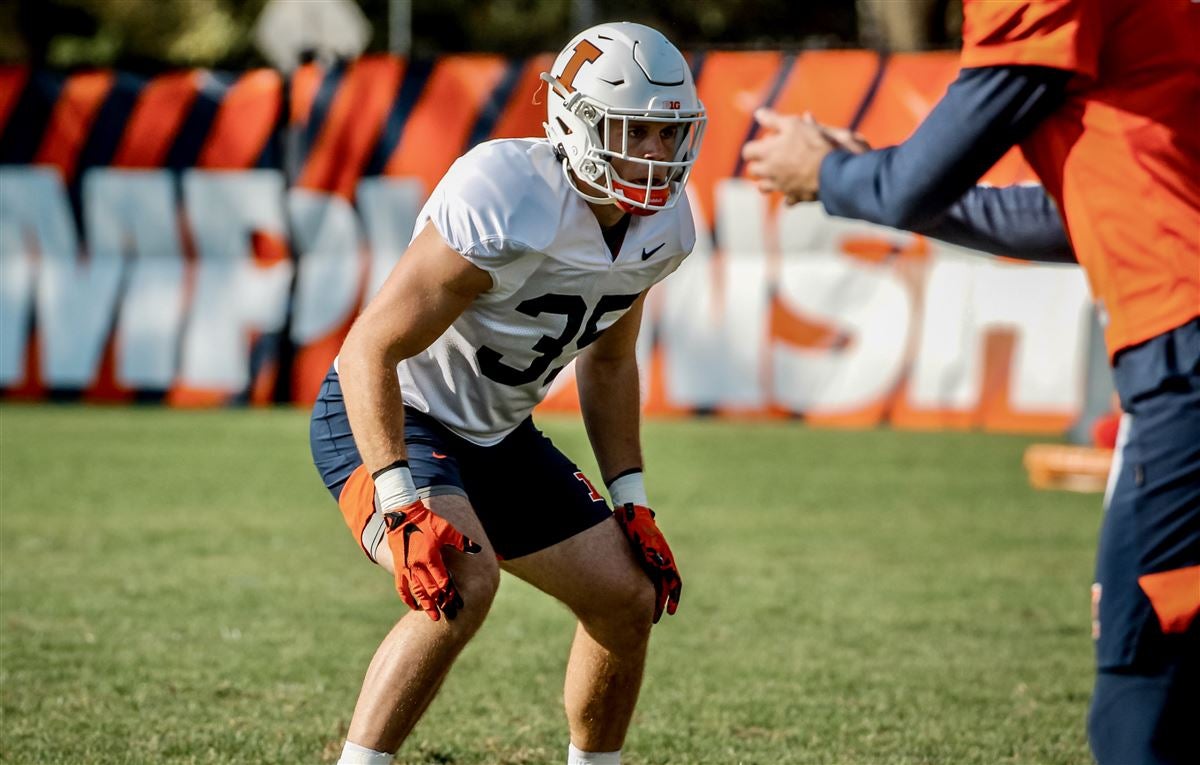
(477, 585)
(477, 578)
(478, 581)
(625, 614)
(640, 602)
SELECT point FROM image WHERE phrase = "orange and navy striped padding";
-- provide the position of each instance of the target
(326, 129)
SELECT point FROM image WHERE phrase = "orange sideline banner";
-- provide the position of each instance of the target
(206, 238)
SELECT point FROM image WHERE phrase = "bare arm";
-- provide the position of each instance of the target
(610, 397)
(609, 394)
(427, 290)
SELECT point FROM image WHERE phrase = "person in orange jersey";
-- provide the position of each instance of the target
(1103, 97)
(529, 253)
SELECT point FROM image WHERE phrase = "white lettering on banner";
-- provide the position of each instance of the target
(389, 208)
(865, 302)
(328, 251)
(713, 321)
(233, 296)
(75, 297)
(1046, 307)
(328, 240)
(35, 217)
(131, 218)
(714, 311)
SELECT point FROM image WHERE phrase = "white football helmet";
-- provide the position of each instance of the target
(620, 73)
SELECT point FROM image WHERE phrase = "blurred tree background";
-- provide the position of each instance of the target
(158, 34)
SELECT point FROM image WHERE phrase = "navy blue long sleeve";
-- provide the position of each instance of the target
(1017, 221)
(927, 183)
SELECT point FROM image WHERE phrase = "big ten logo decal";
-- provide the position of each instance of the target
(585, 52)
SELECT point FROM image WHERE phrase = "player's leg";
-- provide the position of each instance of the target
(411, 662)
(1148, 564)
(552, 529)
(595, 575)
(413, 659)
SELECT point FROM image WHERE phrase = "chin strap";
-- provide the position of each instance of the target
(638, 194)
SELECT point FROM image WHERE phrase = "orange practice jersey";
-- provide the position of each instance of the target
(1122, 155)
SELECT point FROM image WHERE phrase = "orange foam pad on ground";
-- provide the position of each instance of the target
(1072, 468)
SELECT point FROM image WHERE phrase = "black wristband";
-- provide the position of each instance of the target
(622, 474)
(382, 470)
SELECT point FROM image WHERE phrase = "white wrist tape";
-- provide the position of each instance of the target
(629, 488)
(394, 488)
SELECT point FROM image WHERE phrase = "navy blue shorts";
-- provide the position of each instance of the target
(526, 493)
(1147, 591)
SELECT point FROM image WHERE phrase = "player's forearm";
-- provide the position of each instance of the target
(610, 399)
(367, 371)
(984, 113)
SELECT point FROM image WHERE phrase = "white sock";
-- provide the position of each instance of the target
(576, 757)
(353, 754)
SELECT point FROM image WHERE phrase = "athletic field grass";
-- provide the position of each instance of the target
(177, 587)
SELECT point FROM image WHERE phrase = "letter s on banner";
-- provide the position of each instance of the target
(849, 374)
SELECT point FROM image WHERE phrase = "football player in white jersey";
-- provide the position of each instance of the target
(529, 253)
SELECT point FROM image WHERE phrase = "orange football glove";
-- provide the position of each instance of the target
(652, 552)
(416, 538)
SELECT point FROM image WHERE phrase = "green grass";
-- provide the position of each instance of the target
(177, 587)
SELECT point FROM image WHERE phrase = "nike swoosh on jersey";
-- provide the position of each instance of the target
(646, 255)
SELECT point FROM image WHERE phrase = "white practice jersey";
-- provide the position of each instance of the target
(506, 207)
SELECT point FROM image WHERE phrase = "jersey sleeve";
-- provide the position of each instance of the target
(478, 209)
(1058, 34)
(1018, 221)
(984, 113)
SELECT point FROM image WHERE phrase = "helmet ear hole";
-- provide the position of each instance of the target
(563, 126)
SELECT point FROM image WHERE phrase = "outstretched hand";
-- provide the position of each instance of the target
(416, 538)
(845, 139)
(787, 158)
